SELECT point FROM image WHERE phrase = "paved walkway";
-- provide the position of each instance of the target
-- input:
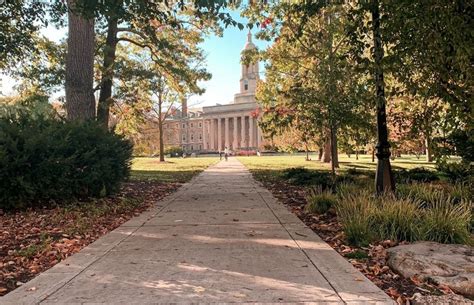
(221, 238)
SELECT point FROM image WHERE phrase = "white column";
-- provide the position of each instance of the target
(212, 133)
(235, 142)
(242, 132)
(251, 132)
(226, 132)
(219, 134)
(204, 134)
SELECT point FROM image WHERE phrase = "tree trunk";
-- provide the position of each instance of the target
(320, 155)
(80, 101)
(384, 182)
(373, 154)
(160, 127)
(327, 151)
(334, 155)
(429, 155)
(357, 154)
(105, 96)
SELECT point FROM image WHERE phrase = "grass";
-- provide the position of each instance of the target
(297, 160)
(424, 207)
(173, 170)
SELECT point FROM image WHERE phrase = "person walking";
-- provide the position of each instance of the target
(226, 153)
(220, 154)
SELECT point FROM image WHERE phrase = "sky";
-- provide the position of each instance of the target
(223, 62)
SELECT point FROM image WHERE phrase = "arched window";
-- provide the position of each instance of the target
(246, 85)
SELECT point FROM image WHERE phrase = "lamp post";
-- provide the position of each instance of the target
(384, 182)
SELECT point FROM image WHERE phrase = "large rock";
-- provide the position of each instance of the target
(448, 299)
(450, 265)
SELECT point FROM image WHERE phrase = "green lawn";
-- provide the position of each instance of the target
(173, 170)
(364, 162)
(270, 168)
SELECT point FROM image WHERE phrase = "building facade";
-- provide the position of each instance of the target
(213, 128)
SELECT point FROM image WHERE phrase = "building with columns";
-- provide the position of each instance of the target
(213, 128)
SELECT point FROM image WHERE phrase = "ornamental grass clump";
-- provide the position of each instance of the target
(357, 214)
(446, 221)
(320, 201)
(397, 219)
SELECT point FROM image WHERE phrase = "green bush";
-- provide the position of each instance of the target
(305, 177)
(319, 201)
(446, 221)
(174, 151)
(397, 219)
(356, 213)
(45, 160)
(456, 171)
(418, 174)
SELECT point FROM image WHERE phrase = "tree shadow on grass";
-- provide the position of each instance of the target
(163, 176)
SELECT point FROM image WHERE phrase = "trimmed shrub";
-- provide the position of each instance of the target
(44, 160)
(418, 174)
(305, 177)
(445, 221)
(356, 214)
(319, 201)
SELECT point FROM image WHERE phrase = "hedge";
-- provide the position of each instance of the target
(44, 160)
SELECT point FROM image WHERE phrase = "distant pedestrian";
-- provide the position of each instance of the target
(226, 153)
(220, 154)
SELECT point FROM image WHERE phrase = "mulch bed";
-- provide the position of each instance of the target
(34, 240)
(373, 265)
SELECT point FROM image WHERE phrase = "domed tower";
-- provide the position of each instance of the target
(249, 77)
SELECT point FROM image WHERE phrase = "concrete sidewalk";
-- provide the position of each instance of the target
(221, 238)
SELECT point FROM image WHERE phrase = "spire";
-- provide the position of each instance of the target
(249, 44)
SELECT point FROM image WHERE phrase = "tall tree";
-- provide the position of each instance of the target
(384, 181)
(80, 100)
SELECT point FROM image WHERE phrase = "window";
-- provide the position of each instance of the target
(200, 136)
(200, 124)
(192, 148)
(184, 125)
(184, 138)
(177, 125)
(246, 85)
(192, 137)
(192, 125)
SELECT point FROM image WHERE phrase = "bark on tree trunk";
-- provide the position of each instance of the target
(160, 127)
(357, 154)
(327, 151)
(429, 155)
(105, 96)
(384, 182)
(80, 101)
(334, 155)
(320, 155)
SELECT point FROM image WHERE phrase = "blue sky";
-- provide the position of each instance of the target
(223, 62)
